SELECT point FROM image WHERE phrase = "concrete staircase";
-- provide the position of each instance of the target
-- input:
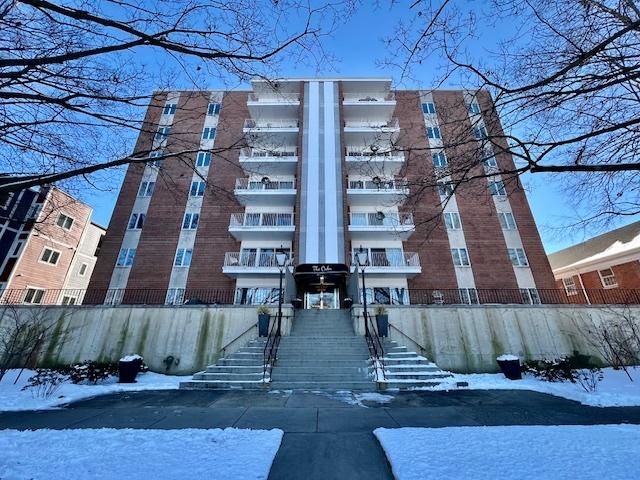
(322, 353)
(240, 370)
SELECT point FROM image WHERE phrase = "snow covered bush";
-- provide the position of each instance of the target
(575, 368)
(92, 372)
(589, 378)
(45, 382)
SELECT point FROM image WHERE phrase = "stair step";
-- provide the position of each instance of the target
(311, 385)
(245, 369)
(228, 376)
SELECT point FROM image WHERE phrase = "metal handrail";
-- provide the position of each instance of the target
(422, 349)
(261, 219)
(380, 219)
(270, 353)
(376, 349)
(226, 345)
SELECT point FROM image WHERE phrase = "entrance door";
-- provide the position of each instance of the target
(322, 300)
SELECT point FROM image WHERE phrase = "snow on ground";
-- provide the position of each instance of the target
(615, 390)
(138, 454)
(516, 452)
(13, 398)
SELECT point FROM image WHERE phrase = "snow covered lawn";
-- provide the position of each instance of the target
(517, 452)
(615, 390)
(138, 454)
(13, 398)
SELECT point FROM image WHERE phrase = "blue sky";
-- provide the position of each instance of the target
(357, 44)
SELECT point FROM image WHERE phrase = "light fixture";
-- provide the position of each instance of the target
(362, 257)
(281, 258)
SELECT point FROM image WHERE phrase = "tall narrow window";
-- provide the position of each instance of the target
(490, 162)
(197, 188)
(203, 159)
(452, 220)
(608, 278)
(460, 257)
(190, 221)
(445, 189)
(146, 189)
(209, 133)
(213, 109)
(428, 108)
(479, 133)
(507, 221)
(126, 257)
(183, 257)
(163, 133)
(433, 132)
(497, 188)
(136, 222)
(64, 221)
(170, 109)
(439, 159)
(474, 108)
(33, 295)
(570, 286)
(50, 256)
(518, 257)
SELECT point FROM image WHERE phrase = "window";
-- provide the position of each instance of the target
(474, 108)
(428, 107)
(518, 257)
(570, 286)
(146, 189)
(33, 211)
(197, 188)
(136, 221)
(497, 188)
(99, 246)
(479, 133)
(163, 133)
(460, 257)
(445, 189)
(183, 257)
(16, 250)
(530, 296)
(6, 200)
(608, 278)
(209, 133)
(50, 256)
(126, 257)
(507, 221)
(83, 269)
(33, 295)
(213, 109)
(468, 296)
(203, 159)
(190, 221)
(490, 162)
(387, 296)
(452, 220)
(170, 109)
(155, 163)
(64, 221)
(433, 132)
(256, 296)
(439, 159)
(69, 300)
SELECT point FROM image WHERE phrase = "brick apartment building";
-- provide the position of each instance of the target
(609, 261)
(318, 168)
(48, 247)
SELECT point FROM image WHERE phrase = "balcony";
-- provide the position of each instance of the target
(380, 226)
(377, 192)
(371, 132)
(372, 106)
(274, 105)
(395, 262)
(250, 263)
(269, 162)
(364, 161)
(265, 132)
(262, 226)
(265, 192)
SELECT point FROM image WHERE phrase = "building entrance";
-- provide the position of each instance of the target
(322, 300)
(321, 286)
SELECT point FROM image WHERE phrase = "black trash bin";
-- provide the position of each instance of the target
(510, 366)
(382, 322)
(263, 324)
(128, 368)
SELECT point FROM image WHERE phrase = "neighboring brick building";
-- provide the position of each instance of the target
(608, 261)
(47, 247)
(328, 166)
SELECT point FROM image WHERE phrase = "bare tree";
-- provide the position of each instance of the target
(564, 77)
(75, 76)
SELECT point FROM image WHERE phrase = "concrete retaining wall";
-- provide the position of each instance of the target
(469, 338)
(192, 334)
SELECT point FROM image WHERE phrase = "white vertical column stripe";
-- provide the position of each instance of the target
(330, 186)
(313, 176)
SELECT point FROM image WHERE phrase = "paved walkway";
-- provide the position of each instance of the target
(325, 436)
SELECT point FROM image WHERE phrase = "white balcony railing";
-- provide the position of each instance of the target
(370, 98)
(392, 259)
(250, 260)
(257, 185)
(251, 124)
(367, 152)
(378, 185)
(275, 98)
(392, 124)
(380, 219)
(257, 154)
(261, 220)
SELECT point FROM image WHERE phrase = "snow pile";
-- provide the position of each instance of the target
(516, 452)
(155, 454)
(615, 390)
(13, 398)
(130, 358)
(507, 357)
(373, 397)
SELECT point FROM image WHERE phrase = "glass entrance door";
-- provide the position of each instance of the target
(322, 300)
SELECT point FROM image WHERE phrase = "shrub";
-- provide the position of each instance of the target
(45, 382)
(92, 372)
(576, 368)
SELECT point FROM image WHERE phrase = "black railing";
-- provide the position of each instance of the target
(270, 354)
(423, 350)
(376, 349)
(235, 339)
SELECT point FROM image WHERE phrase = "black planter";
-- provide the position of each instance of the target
(382, 322)
(348, 303)
(510, 369)
(263, 324)
(296, 302)
(128, 370)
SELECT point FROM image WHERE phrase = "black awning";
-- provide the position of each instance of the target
(321, 269)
